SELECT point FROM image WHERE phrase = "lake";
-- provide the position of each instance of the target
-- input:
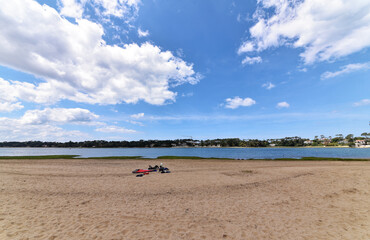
(237, 153)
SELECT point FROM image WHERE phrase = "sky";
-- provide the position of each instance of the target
(154, 69)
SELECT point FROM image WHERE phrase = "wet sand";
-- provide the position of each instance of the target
(200, 199)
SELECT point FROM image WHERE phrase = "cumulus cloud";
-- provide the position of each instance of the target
(71, 8)
(236, 102)
(8, 98)
(363, 102)
(142, 33)
(75, 63)
(325, 30)
(48, 92)
(15, 130)
(58, 115)
(137, 116)
(114, 129)
(246, 47)
(346, 69)
(251, 60)
(283, 105)
(268, 85)
(9, 107)
(42, 125)
(46, 125)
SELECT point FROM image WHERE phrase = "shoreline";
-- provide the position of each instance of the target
(184, 147)
(76, 157)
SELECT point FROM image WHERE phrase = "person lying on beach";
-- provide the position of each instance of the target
(152, 168)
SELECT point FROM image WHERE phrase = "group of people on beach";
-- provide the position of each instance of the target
(160, 168)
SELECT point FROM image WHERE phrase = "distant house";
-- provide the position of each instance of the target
(325, 140)
(308, 142)
(345, 141)
(359, 143)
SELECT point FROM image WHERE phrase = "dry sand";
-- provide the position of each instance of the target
(200, 199)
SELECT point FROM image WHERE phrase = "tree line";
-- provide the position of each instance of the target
(339, 139)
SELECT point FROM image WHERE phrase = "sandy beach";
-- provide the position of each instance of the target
(200, 199)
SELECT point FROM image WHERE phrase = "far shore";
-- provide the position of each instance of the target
(194, 147)
(296, 147)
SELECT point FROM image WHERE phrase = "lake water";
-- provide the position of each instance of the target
(237, 153)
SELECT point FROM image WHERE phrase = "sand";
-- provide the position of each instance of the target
(200, 199)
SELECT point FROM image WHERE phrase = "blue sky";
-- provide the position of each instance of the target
(153, 69)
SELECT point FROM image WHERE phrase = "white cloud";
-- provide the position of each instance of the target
(142, 33)
(324, 29)
(29, 127)
(117, 8)
(114, 129)
(268, 85)
(363, 102)
(251, 60)
(135, 122)
(71, 8)
(45, 125)
(346, 69)
(14, 130)
(137, 116)
(8, 98)
(47, 92)
(236, 102)
(246, 47)
(283, 105)
(57, 115)
(8, 106)
(75, 63)
(189, 94)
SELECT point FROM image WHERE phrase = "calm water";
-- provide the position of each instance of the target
(238, 153)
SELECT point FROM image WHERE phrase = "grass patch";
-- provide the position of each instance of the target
(247, 171)
(40, 157)
(321, 159)
(68, 157)
(191, 157)
(115, 157)
(179, 157)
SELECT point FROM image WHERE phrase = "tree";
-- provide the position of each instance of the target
(349, 137)
(339, 136)
(337, 139)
